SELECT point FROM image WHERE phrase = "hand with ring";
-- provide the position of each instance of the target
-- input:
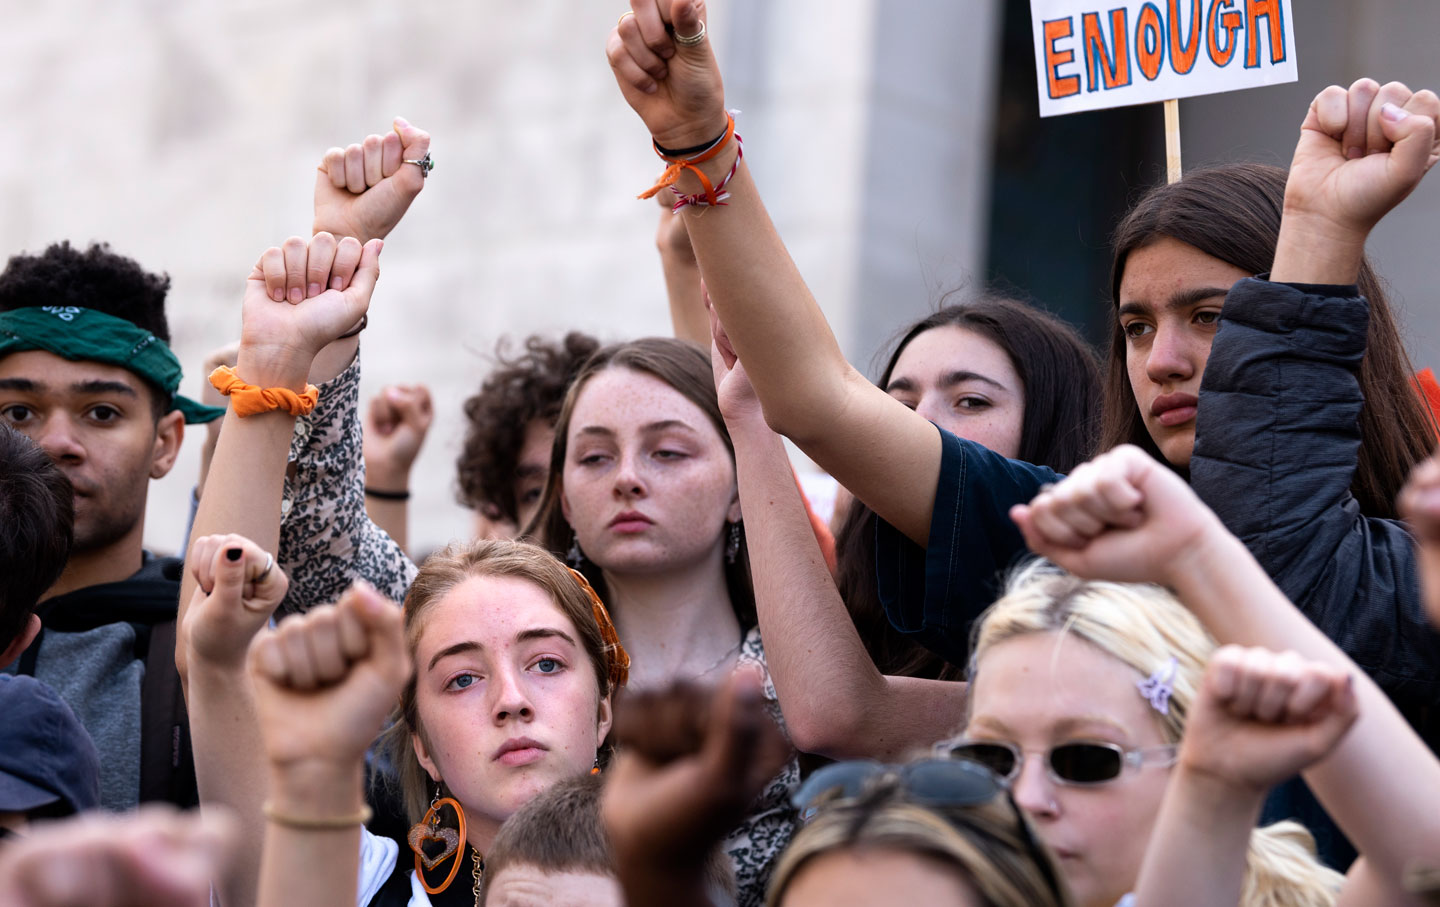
(237, 588)
(667, 71)
(363, 190)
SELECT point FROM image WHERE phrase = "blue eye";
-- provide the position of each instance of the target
(462, 682)
(548, 665)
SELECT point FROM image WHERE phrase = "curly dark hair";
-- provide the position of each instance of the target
(96, 278)
(37, 507)
(523, 388)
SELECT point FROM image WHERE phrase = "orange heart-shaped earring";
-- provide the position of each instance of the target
(434, 843)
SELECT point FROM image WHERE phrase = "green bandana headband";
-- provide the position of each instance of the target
(85, 334)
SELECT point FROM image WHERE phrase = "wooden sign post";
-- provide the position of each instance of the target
(1094, 54)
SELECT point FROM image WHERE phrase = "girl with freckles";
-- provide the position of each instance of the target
(643, 499)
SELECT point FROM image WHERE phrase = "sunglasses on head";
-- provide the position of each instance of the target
(930, 782)
(1081, 764)
(954, 782)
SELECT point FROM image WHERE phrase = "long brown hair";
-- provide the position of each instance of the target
(1232, 213)
(442, 572)
(1060, 378)
(685, 367)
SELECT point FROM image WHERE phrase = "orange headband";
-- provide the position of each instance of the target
(616, 658)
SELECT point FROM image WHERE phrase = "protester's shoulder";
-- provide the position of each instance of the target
(157, 568)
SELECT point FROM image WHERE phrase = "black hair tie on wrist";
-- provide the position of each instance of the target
(386, 495)
(694, 149)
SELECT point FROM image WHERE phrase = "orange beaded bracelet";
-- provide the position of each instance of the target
(249, 400)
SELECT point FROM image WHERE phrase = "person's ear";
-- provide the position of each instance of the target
(423, 754)
(19, 644)
(605, 719)
(169, 432)
(733, 515)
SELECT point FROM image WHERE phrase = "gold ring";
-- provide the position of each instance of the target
(628, 12)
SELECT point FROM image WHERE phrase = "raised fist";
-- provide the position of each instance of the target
(1122, 517)
(1360, 153)
(692, 761)
(238, 586)
(674, 87)
(364, 190)
(300, 297)
(153, 857)
(395, 427)
(326, 680)
(1262, 717)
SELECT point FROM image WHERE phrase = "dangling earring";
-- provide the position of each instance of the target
(732, 543)
(575, 557)
(595, 769)
(434, 843)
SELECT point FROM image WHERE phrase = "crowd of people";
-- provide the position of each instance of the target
(1156, 626)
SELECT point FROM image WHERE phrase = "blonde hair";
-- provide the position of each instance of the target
(985, 843)
(442, 572)
(1143, 627)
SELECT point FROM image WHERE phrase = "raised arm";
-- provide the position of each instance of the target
(279, 342)
(396, 423)
(1307, 328)
(1125, 517)
(835, 702)
(1257, 720)
(363, 190)
(235, 594)
(324, 683)
(888, 456)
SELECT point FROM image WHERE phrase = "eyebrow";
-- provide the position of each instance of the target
(470, 645)
(103, 387)
(88, 388)
(662, 425)
(1182, 299)
(947, 380)
(544, 633)
(531, 470)
(1067, 725)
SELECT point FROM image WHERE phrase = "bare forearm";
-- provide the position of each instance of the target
(1393, 817)
(229, 767)
(312, 867)
(688, 317)
(835, 701)
(1183, 869)
(885, 454)
(243, 489)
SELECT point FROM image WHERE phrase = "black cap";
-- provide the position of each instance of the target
(46, 758)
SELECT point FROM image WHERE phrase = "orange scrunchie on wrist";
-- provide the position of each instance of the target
(249, 400)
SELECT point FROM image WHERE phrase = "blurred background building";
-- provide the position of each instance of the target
(896, 143)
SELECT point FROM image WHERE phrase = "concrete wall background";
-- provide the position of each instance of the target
(186, 135)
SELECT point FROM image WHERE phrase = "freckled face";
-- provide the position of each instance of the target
(1170, 301)
(1027, 694)
(506, 693)
(964, 383)
(648, 484)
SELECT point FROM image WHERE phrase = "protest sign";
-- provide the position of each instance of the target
(1092, 54)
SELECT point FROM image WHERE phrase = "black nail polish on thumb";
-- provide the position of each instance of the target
(233, 553)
